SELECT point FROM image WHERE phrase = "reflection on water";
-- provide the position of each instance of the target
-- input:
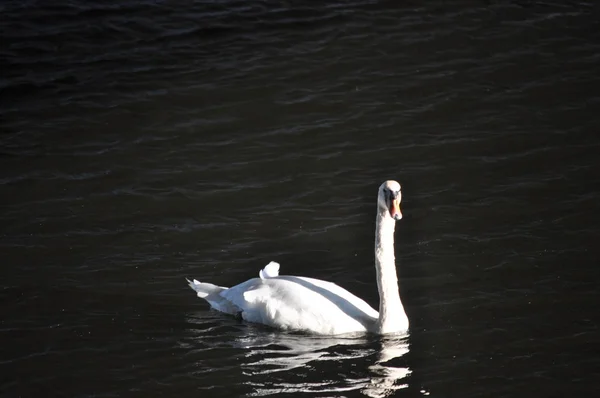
(386, 379)
(274, 352)
(274, 362)
(280, 352)
(270, 353)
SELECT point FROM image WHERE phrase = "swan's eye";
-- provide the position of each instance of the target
(392, 194)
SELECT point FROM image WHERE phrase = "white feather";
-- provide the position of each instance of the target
(271, 270)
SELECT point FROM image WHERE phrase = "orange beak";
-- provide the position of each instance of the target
(395, 210)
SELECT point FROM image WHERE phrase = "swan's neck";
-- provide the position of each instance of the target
(391, 312)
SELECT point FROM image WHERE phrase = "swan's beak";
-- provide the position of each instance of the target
(395, 210)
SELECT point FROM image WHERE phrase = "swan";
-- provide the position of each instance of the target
(297, 303)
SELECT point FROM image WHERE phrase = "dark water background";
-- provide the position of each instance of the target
(145, 141)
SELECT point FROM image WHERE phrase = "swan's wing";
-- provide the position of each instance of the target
(340, 296)
(297, 303)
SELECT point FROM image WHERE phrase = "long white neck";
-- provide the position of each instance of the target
(392, 317)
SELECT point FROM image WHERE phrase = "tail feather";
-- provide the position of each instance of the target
(203, 289)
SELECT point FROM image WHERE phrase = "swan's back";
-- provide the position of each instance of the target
(303, 304)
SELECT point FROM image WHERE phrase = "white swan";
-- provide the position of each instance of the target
(316, 306)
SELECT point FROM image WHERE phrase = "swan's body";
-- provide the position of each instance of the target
(293, 303)
(316, 306)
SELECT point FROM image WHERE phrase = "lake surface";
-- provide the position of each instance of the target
(142, 142)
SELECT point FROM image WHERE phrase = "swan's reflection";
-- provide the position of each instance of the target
(272, 353)
(275, 362)
(386, 379)
(277, 352)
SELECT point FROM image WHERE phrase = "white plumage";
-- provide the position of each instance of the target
(316, 306)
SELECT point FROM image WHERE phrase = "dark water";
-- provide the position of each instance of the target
(142, 142)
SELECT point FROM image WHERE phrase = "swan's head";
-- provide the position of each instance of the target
(389, 199)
